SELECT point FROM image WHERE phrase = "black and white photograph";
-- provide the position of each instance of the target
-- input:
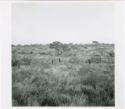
(63, 54)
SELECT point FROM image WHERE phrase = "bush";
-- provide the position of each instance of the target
(15, 59)
(25, 61)
(38, 82)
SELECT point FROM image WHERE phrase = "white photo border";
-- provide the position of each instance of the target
(5, 55)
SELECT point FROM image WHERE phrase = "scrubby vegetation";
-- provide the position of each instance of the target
(60, 74)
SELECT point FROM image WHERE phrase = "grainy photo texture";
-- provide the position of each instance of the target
(63, 54)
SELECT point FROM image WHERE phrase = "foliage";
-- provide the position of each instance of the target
(71, 82)
(56, 45)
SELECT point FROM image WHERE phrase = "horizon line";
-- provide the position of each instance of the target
(63, 43)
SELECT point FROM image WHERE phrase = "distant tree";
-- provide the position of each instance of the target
(95, 42)
(57, 46)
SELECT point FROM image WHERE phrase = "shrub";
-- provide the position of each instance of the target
(71, 83)
(25, 61)
(15, 59)
(17, 89)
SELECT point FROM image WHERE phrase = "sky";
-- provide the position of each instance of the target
(67, 22)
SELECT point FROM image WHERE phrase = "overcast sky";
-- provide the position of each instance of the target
(65, 22)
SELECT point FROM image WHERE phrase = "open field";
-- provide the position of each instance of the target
(60, 74)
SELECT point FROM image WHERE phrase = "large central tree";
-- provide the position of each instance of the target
(57, 46)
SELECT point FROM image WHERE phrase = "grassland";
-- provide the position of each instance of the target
(63, 75)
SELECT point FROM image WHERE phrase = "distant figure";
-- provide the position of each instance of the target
(52, 61)
(59, 60)
(89, 61)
